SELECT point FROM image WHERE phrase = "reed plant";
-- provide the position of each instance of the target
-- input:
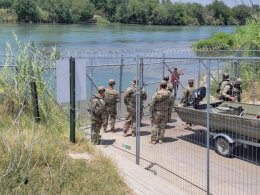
(34, 157)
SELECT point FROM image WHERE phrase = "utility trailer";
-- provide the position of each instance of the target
(231, 124)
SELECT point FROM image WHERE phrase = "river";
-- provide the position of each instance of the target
(112, 36)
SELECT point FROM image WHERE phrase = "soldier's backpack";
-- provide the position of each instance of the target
(163, 100)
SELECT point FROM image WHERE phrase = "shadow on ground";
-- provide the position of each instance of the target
(250, 154)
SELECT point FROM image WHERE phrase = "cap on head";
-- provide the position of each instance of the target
(166, 78)
(225, 75)
(163, 83)
(191, 81)
(111, 82)
(239, 81)
(101, 89)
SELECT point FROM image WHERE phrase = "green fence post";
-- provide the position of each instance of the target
(72, 100)
(35, 103)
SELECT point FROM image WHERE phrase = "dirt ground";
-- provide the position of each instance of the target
(181, 159)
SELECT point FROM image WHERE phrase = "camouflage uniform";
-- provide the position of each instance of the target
(111, 100)
(97, 111)
(187, 93)
(237, 90)
(170, 88)
(143, 98)
(130, 102)
(225, 89)
(159, 108)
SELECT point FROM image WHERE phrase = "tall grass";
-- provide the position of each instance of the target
(34, 157)
(247, 39)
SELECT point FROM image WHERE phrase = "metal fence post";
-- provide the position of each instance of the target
(163, 65)
(208, 128)
(120, 86)
(35, 102)
(92, 72)
(72, 100)
(199, 75)
(253, 82)
(138, 105)
(218, 72)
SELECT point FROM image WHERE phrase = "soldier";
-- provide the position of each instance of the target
(111, 100)
(187, 93)
(97, 110)
(170, 88)
(159, 108)
(169, 84)
(237, 89)
(130, 102)
(225, 89)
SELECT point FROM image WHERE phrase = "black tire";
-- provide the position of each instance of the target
(223, 147)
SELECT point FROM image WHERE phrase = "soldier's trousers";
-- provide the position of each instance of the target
(160, 119)
(130, 120)
(169, 115)
(96, 125)
(110, 112)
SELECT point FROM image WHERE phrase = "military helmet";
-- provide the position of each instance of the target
(225, 75)
(239, 81)
(166, 78)
(111, 82)
(191, 81)
(163, 83)
(134, 81)
(101, 89)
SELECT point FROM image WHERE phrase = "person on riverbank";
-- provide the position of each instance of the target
(130, 102)
(159, 108)
(97, 109)
(111, 99)
(175, 80)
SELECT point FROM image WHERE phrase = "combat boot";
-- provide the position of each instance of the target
(152, 141)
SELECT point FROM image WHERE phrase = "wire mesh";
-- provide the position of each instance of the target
(182, 157)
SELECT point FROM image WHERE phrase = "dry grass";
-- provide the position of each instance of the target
(34, 160)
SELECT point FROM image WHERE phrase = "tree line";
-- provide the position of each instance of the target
(158, 12)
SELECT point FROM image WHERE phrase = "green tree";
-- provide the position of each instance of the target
(220, 11)
(26, 10)
(82, 10)
(241, 13)
(195, 10)
(6, 3)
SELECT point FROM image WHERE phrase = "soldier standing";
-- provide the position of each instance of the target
(169, 84)
(130, 102)
(170, 88)
(111, 100)
(159, 108)
(237, 89)
(97, 110)
(187, 93)
(225, 89)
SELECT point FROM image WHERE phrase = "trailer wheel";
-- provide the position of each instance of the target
(223, 147)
